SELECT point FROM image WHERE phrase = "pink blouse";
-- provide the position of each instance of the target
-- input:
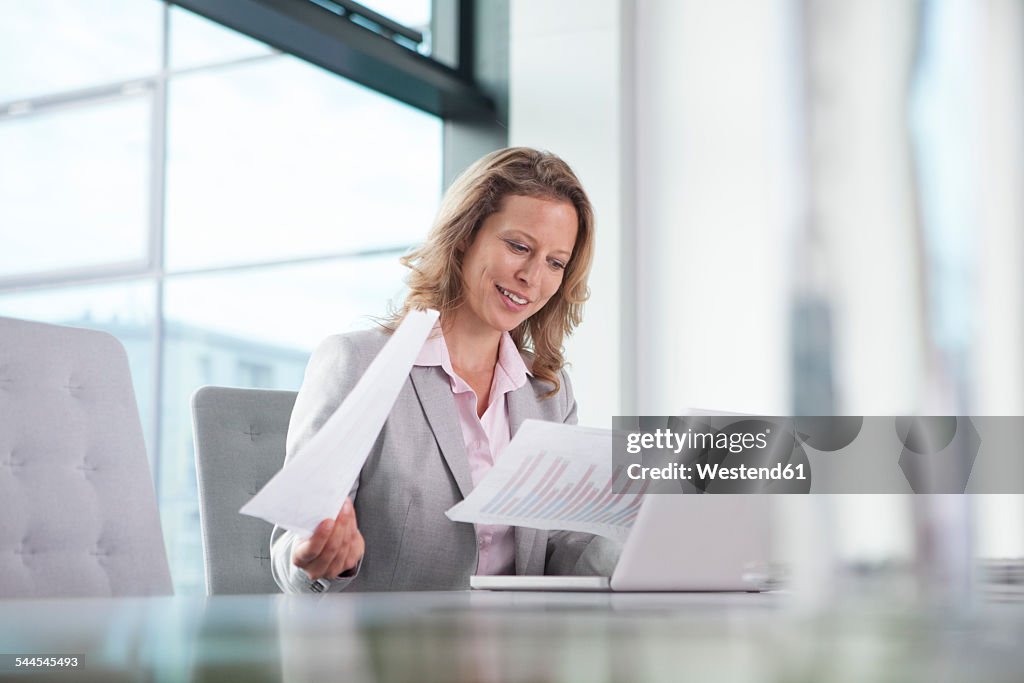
(485, 437)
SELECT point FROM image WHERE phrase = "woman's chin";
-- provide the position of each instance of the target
(507, 323)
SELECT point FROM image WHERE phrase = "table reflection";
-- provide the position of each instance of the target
(498, 637)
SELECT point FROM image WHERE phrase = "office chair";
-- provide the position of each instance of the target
(239, 444)
(78, 513)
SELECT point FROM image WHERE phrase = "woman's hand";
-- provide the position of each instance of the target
(335, 546)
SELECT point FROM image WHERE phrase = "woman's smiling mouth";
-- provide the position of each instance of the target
(512, 300)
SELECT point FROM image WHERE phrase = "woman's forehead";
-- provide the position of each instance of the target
(543, 218)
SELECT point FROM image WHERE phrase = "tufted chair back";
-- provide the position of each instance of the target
(240, 440)
(78, 514)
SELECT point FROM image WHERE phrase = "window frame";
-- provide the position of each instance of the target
(310, 31)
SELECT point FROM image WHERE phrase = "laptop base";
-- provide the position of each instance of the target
(540, 583)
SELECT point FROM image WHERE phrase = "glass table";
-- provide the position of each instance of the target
(490, 636)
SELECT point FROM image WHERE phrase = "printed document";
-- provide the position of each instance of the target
(314, 482)
(555, 476)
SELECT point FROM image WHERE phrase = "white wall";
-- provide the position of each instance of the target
(999, 339)
(690, 285)
(568, 87)
(998, 360)
(716, 204)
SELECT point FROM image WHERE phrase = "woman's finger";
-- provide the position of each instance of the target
(306, 551)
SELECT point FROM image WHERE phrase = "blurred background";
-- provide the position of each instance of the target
(804, 206)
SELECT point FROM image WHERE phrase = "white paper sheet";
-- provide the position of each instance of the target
(555, 476)
(313, 484)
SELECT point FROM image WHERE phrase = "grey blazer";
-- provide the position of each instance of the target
(417, 469)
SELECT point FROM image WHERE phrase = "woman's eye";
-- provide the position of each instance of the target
(558, 265)
(518, 248)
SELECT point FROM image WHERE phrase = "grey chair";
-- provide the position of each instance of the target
(239, 445)
(78, 513)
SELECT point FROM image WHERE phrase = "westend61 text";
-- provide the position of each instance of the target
(708, 472)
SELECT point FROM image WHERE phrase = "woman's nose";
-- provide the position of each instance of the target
(529, 272)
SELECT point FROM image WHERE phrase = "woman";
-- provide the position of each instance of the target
(506, 265)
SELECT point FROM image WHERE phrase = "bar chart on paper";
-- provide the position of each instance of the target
(555, 476)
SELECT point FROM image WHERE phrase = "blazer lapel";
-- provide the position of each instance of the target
(435, 394)
(522, 405)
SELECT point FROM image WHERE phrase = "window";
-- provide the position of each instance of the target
(228, 126)
(219, 213)
(51, 47)
(93, 158)
(255, 374)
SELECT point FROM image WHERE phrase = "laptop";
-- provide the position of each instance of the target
(679, 542)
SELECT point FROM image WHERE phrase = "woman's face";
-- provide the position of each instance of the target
(516, 261)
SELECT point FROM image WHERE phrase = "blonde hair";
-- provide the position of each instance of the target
(435, 280)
